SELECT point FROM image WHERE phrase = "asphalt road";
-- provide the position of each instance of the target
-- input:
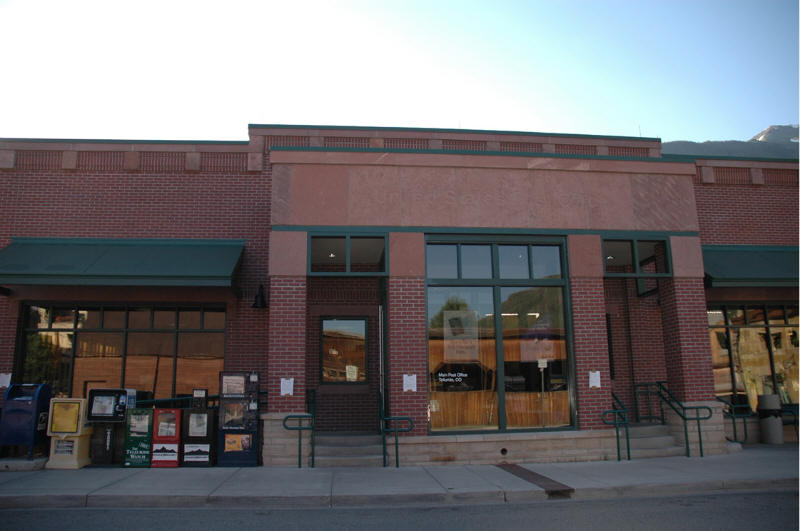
(740, 510)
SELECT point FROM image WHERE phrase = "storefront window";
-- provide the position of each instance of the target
(463, 361)
(755, 351)
(535, 356)
(470, 306)
(76, 349)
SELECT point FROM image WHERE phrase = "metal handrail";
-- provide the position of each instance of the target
(212, 400)
(311, 416)
(665, 396)
(734, 412)
(620, 418)
(385, 427)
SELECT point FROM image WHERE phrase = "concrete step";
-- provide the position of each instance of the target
(347, 451)
(641, 443)
(648, 430)
(346, 439)
(364, 461)
(647, 453)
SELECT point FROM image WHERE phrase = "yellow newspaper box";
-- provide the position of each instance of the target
(69, 434)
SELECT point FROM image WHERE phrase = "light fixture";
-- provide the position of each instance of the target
(332, 255)
(261, 299)
(609, 257)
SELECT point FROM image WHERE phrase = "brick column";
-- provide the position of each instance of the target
(589, 328)
(287, 321)
(406, 328)
(683, 302)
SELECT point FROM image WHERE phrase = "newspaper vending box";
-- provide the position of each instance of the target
(166, 438)
(237, 441)
(138, 437)
(69, 434)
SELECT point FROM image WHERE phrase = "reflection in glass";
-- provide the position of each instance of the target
(441, 261)
(513, 261)
(47, 360)
(190, 319)
(114, 319)
(164, 319)
(149, 362)
(98, 362)
(367, 254)
(463, 361)
(344, 357)
(784, 351)
(476, 261)
(328, 253)
(63, 318)
(546, 261)
(652, 256)
(201, 356)
(37, 317)
(214, 319)
(89, 318)
(720, 359)
(139, 319)
(535, 355)
(716, 318)
(618, 256)
(751, 360)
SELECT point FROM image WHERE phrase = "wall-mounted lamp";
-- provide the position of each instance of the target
(261, 299)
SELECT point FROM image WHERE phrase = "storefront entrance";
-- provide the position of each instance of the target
(343, 363)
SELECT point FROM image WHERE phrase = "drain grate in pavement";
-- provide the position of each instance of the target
(553, 488)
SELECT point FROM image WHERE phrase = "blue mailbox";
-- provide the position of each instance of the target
(25, 413)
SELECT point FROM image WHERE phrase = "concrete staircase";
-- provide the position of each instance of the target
(335, 449)
(652, 440)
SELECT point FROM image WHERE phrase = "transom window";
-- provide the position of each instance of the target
(493, 261)
(353, 255)
(160, 350)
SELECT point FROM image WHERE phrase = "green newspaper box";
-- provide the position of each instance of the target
(138, 437)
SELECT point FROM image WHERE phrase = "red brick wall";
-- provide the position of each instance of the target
(590, 350)
(101, 200)
(747, 214)
(617, 308)
(687, 350)
(287, 343)
(344, 407)
(408, 350)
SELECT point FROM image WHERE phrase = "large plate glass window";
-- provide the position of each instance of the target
(754, 351)
(497, 335)
(163, 351)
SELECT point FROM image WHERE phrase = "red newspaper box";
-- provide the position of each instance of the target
(166, 438)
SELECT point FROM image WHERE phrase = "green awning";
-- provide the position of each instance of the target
(750, 265)
(106, 262)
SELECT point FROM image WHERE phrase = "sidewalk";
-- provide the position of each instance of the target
(756, 467)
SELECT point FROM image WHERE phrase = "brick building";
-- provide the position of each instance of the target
(496, 287)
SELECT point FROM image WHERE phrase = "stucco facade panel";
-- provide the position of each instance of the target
(481, 197)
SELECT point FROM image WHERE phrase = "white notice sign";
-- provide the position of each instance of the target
(409, 382)
(594, 379)
(287, 386)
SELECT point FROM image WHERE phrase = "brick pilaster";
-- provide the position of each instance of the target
(287, 342)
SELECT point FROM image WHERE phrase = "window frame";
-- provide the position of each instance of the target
(637, 264)
(365, 320)
(497, 283)
(348, 253)
(18, 369)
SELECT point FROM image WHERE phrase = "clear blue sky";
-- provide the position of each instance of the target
(173, 69)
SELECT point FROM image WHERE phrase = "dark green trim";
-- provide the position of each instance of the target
(674, 157)
(122, 141)
(479, 231)
(437, 130)
(750, 265)
(467, 152)
(120, 262)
